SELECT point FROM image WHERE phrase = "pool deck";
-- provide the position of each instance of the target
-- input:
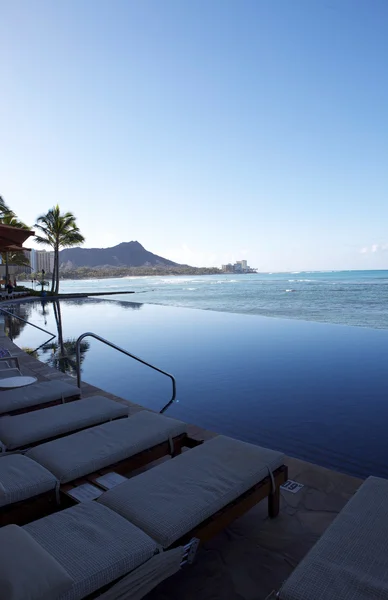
(255, 555)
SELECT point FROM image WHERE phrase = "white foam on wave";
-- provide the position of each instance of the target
(177, 281)
(300, 280)
(220, 282)
(135, 277)
(290, 290)
(192, 289)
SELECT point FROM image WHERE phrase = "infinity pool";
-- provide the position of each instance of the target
(315, 391)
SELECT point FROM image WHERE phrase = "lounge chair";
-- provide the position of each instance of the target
(22, 431)
(9, 365)
(27, 490)
(75, 553)
(200, 492)
(7, 361)
(120, 446)
(37, 396)
(350, 560)
(7, 373)
(28, 483)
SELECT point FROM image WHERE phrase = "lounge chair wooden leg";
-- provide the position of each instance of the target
(177, 450)
(274, 503)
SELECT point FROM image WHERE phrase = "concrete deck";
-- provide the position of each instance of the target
(253, 557)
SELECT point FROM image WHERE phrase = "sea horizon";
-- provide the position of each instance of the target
(352, 297)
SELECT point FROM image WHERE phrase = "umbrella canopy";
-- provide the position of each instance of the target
(12, 238)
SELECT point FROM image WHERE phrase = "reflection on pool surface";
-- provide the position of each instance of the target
(314, 391)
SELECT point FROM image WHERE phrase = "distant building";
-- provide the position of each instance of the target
(243, 264)
(240, 266)
(227, 268)
(33, 261)
(41, 259)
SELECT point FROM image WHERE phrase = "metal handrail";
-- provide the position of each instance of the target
(140, 360)
(53, 335)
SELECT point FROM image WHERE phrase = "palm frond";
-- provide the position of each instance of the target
(16, 258)
(11, 219)
(4, 208)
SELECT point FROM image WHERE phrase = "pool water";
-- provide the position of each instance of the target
(315, 391)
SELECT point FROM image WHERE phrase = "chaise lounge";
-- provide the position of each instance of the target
(28, 483)
(121, 445)
(200, 492)
(350, 560)
(83, 549)
(27, 490)
(37, 396)
(77, 553)
(28, 429)
(9, 366)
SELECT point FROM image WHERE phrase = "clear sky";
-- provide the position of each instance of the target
(208, 130)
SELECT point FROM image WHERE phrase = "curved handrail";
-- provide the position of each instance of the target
(140, 360)
(53, 335)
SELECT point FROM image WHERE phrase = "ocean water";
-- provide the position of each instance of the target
(313, 390)
(345, 297)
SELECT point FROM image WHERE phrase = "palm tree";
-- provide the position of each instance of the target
(63, 354)
(64, 357)
(58, 231)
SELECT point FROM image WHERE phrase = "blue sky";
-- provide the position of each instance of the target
(209, 131)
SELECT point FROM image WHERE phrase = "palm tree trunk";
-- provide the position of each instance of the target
(53, 277)
(58, 320)
(56, 260)
(6, 270)
(62, 358)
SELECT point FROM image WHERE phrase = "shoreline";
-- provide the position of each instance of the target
(215, 271)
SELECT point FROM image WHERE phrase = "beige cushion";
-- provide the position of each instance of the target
(145, 578)
(350, 560)
(174, 497)
(21, 430)
(22, 478)
(93, 544)
(27, 571)
(35, 394)
(87, 451)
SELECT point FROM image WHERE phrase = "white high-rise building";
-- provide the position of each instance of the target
(33, 261)
(242, 265)
(41, 259)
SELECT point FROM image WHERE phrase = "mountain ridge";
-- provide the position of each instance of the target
(125, 254)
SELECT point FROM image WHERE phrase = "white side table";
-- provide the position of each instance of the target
(16, 382)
